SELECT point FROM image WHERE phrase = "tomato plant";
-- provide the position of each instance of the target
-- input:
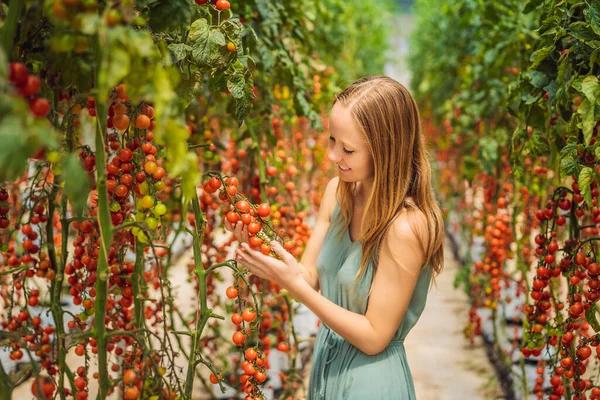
(514, 120)
(133, 127)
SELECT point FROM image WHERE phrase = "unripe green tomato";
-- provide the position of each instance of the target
(135, 230)
(66, 43)
(144, 188)
(138, 20)
(142, 237)
(139, 217)
(53, 157)
(139, 205)
(152, 223)
(208, 155)
(114, 206)
(159, 186)
(160, 209)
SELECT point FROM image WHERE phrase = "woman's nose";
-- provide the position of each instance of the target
(333, 157)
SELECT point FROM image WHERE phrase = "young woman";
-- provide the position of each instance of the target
(377, 243)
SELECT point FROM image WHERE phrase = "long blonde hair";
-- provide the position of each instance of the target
(389, 118)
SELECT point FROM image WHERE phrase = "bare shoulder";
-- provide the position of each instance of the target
(408, 235)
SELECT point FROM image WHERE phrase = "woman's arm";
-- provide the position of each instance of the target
(400, 262)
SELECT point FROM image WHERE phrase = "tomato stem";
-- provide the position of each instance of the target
(7, 36)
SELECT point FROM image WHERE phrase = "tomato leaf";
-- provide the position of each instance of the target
(585, 180)
(592, 15)
(591, 88)
(179, 51)
(209, 47)
(540, 55)
(569, 167)
(590, 316)
(588, 119)
(77, 186)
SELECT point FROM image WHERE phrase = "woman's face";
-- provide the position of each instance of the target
(348, 147)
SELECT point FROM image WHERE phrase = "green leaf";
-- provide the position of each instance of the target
(540, 55)
(537, 78)
(179, 51)
(581, 30)
(585, 180)
(592, 15)
(532, 5)
(77, 185)
(588, 120)
(209, 46)
(189, 87)
(591, 88)
(14, 152)
(569, 167)
(236, 85)
(590, 317)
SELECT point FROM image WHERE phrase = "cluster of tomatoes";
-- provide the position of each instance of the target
(255, 360)
(29, 87)
(135, 169)
(4, 209)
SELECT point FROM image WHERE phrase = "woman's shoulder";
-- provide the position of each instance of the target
(410, 225)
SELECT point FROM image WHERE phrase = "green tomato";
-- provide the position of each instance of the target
(114, 206)
(144, 188)
(139, 205)
(142, 237)
(160, 209)
(152, 223)
(139, 217)
(159, 186)
(208, 155)
(135, 230)
(53, 157)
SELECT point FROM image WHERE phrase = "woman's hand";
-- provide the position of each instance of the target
(285, 272)
(240, 230)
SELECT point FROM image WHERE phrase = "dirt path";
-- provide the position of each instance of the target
(444, 364)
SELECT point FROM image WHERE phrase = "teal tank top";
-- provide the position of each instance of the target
(339, 370)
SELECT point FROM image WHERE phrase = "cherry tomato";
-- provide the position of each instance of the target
(243, 206)
(248, 315)
(251, 354)
(263, 210)
(231, 292)
(142, 122)
(238, 338)
(40, 107)
(233, 217)
(255, 242)
(222, 5)
(236, 319)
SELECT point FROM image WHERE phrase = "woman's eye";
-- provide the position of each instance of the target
(348, 151)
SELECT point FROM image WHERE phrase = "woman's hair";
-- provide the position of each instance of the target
(388, 116)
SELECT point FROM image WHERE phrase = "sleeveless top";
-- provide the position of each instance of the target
(340, 370)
